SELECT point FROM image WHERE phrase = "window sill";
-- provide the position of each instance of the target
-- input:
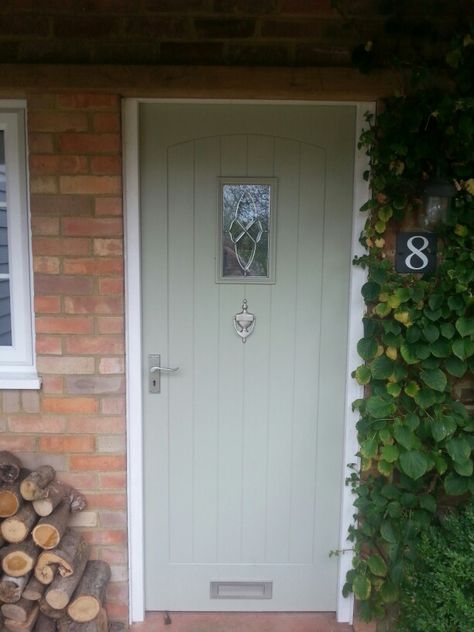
(20, 381)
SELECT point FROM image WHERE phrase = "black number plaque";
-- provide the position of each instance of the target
(416, 252)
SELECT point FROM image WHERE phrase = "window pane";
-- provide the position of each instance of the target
(5, 309)
(246, 219)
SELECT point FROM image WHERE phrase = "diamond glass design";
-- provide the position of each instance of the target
(246, 220)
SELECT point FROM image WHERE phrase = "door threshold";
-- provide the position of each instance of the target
(241, 622)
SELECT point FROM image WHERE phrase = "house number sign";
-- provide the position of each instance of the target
(416, 252)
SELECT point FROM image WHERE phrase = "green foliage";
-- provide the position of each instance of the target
(416, 440)
(438, 588)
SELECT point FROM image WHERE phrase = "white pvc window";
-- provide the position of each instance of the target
(17, 358)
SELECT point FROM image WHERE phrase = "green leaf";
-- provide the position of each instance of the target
(377, 565)
(432, 314)
(435, 301)
(402, 294)
(435, 379)
(382, 367)
(408, 353)
(454, 366)
(394, 389)
(394, 509)
(463, 349)
(458, 449)
(455, 485)
(422, 350)
(412, 421)
(390, 453)
(447, 330)
(440, 464)
(441, 348)
(379, 407)
(367, 348)
(362, 587)
(413, 334)
(464, 469)
(369, 448)
(385, 468)
(430, 333)
(382, 309)
(438, 430)
(388, 533)
(456, 302)
(370, 291)
(465, 326)
(426, 397)
(363, 374)
(412, 389)
(414, 464)
(428, 502)
(404, 437)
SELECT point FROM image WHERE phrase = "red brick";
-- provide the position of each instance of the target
(93, 266)
(43, 184)
(68, 285)
(90, 101)
(66, 365)
(107, 501)
(110, 325)
(54, 164)
(63, 325)
(111, 286)
(41, 101)
(112, 366)
(113, 406)
(96, 185)
(65, 444)
(85, 227)
(97, 425)
(96, 345)
(72, 143)
(116, 591)
(109, 165)
(113, 556)
(106, 122)
(117, 610)
(113, 480)
(108, 206)
(85, 26)
(97, 463)
(301, 29)
(70, 405)
(46, 265)
(47, 304)
(62, 205)
(40, 143)
(15, 443)
(321, 8)
(71, 246)
(52, 384)
(108, 247)
(212, 28)
(57, 121)
(95, 385)
(93, 304)
(24, 25)
(105, 538)
(48, 345)
(36, 424)
(44, 225)
(80, 480)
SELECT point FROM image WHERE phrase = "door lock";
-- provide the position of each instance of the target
(154, 372)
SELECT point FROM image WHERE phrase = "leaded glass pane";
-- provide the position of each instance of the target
(246, 230)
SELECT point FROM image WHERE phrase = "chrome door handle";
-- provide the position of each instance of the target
(154, 372)
(155, 369)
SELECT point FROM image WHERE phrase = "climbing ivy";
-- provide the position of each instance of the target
(416, 438)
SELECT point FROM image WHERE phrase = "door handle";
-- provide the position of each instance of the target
(155, 370)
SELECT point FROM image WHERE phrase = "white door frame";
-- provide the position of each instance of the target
(135, 498)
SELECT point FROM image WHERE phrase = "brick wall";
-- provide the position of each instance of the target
(77, 421)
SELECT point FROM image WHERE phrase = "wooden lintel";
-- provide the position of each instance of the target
(219, 82)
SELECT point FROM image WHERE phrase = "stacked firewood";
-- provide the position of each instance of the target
(48, 583)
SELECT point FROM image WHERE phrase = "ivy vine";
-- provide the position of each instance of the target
(416, 438)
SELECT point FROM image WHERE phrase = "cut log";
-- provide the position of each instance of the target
(10, 466)
(32, 487)
(48, 532)
(99, 624)
(46, 609)
(11, 588)
(60, 558)
(34, 589)
(90, 594)
(56, 492)
(19, 611)
(17, 528)
(60, 592)
(23, 626)
(19, 559)
(45, 624)
(10, 497)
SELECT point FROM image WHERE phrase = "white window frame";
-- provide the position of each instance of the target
(18, 362)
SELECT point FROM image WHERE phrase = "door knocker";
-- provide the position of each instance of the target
(244, 322)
